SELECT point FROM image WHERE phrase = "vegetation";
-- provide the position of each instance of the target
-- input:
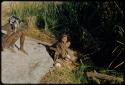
(61, 75)
(96, 30)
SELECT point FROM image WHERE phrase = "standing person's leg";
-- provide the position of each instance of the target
(22, 39)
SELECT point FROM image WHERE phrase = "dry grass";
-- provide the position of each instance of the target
(6, 9)
(32, 31)
(63, 75)
(40, 35)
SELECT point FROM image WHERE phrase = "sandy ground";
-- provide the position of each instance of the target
(18, 67)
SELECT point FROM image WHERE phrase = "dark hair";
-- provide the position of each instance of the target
(14, 18)
(64, 35)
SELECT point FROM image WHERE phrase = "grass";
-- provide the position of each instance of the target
(40, 35)
(63, 75)
(83, 68)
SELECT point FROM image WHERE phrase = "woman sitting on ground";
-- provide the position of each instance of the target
(61, 48)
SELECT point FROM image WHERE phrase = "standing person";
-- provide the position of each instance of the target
(15, 32)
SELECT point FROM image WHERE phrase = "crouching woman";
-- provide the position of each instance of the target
(61, 48)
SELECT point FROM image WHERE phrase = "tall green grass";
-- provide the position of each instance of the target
(41, 10)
